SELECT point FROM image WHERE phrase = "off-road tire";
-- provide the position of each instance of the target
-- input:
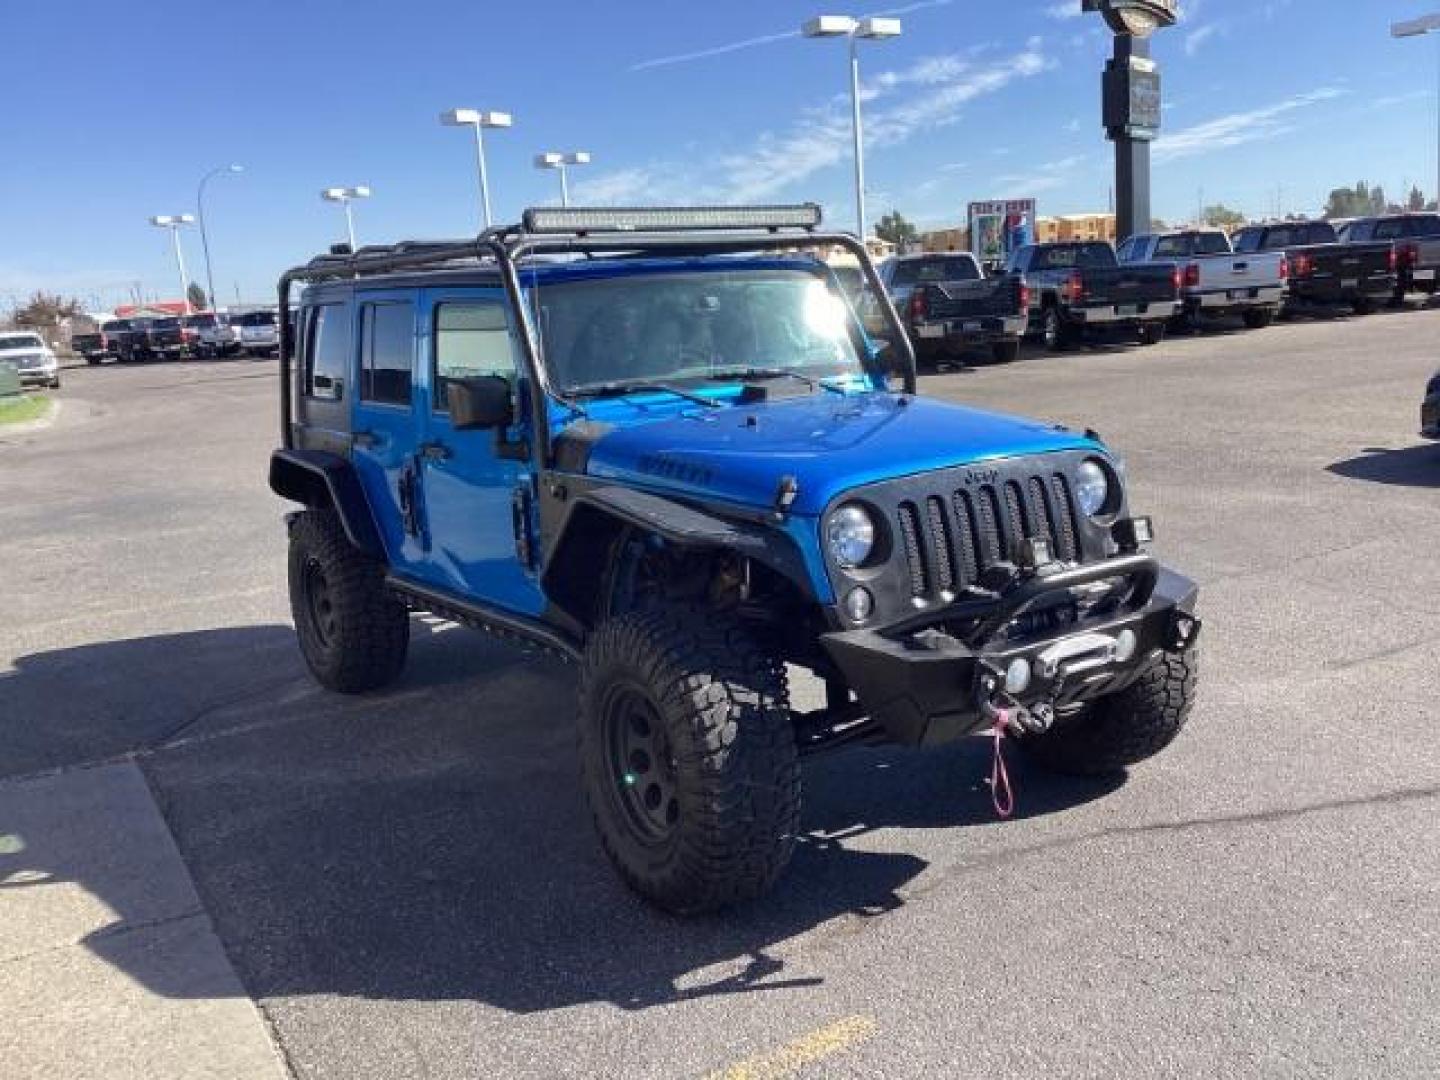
(1053, 332)
(1258, 318)
(1115, 732)
(1362, 305)
(719, 703)
(93, 361)
(353, 634)
(1151, 333)
(1005, 352)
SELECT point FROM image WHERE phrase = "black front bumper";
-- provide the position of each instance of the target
(926, 688)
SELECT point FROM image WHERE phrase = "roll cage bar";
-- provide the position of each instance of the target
(505, 247)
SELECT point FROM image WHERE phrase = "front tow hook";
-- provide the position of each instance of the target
(998, 708)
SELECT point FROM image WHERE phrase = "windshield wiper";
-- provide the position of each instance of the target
(618, 389)
(774, 373)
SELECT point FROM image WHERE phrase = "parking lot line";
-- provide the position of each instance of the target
(807, 1049)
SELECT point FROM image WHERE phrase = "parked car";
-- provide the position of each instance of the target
(1214, 282)
(677, 463)
(173, 339)
(1079, 288)
(94, 347)
(949, 307)
(1417, 247)
(1430, 409)
(259, 332)
(216, 336)
(1324, 273)
(33, 360)
(130, 338)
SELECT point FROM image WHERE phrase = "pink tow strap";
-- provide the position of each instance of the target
(1002, 796)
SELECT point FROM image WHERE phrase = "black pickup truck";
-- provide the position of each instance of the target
(129, 339)
(1323, 272)
(174, 338)
(949, 307)
(94, 347)
(1079, 288)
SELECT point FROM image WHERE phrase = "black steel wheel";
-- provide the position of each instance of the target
(353, 634)
(688, 756)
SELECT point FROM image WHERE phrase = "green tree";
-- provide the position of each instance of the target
(196, 295)
(1378, 204)
(1416, 199)
(896, 230)
(46, 309)
(1223, 217)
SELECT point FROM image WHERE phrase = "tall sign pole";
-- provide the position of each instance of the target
(1131, 102)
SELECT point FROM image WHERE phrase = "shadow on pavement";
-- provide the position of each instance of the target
(1410, 466)
(431, 842)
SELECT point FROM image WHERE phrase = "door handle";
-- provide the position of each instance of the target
(435, 451)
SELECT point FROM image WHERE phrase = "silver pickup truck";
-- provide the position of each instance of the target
(1215, 282)
(1417, 247)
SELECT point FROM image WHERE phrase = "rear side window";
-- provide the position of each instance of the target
(387, 349)
(327, 346)
(471, 338)
(1425, 225)
(1321, 232)
(1390, 229)
(1358, 230)
(1247, 240)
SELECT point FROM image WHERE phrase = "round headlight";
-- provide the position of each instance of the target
(1092, 488)
(850, 536)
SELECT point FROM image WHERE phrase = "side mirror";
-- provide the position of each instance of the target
(480, 401)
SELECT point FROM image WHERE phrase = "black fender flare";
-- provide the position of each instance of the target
(326, 481)
(576, 559)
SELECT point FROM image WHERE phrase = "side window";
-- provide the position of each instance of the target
(1358, 230)
(1126, 251)
(472, 337)
(1247, 240)
(326, 349)
(1389, 230)
(387, 348)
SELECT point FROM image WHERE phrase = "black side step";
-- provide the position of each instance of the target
(500, 624)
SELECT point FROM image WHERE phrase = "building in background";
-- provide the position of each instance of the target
(1049, 230)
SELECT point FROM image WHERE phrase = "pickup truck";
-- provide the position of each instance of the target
(172, 339)
(1214, 281)
(1417, 247)
(215, 335)
(1079, 288)
(130, 338)
(259, 333)
(950, 307)
(94, 347)
(1324, 273)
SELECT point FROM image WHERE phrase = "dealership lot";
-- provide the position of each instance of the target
(408, 885)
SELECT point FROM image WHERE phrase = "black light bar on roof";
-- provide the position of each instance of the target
(644, 219)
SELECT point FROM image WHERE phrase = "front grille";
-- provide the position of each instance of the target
(949, 539)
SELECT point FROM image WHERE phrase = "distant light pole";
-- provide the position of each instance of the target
(871, 29)
(345, 196)
(474, 118)
(205, 240)
(1418, 28)
(173, 223)
(560, 162)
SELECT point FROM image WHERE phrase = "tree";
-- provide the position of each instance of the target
(1223, 216)
(896, 230)
(196, 295)
(1416, 199)
(46, 309)
(1378, 203)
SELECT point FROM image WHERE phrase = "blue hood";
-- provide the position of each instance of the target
(830, 443)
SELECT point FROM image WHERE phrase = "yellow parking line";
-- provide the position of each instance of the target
(794, 1055)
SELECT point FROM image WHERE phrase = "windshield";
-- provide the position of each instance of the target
(165, 324)
(1208, 243)
(940, 268)
(257, 318)
(1067, 256)
(200, 320)
(20, 341)
(694, 326)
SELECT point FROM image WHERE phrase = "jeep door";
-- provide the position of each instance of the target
(384, 420)
(477, 500)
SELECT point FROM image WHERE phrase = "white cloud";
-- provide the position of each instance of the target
(1196, 39)
(1064, 9)
(1073, 125)
(930, 94)
(1044, 177)
(1235, 129)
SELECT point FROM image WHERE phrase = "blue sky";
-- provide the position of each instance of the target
(124, 107)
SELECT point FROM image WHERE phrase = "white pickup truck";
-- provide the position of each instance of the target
(1215, 281)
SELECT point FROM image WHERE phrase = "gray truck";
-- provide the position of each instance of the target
(1078, 289)
(1215, 282)
(949, 307)
(1417, 247)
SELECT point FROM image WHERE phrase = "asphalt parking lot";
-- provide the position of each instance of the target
(408, 885)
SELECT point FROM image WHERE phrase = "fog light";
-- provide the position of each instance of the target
(1017, 676)
(1125, 643)
(859, 604)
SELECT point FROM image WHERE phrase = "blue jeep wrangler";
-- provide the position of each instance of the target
(659, 443)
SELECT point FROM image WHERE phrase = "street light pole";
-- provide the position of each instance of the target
(560, 162)
(173, 223)
(204, 239)
(870, 29)
(344, 196)
(476, 119)
(1419, 28)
